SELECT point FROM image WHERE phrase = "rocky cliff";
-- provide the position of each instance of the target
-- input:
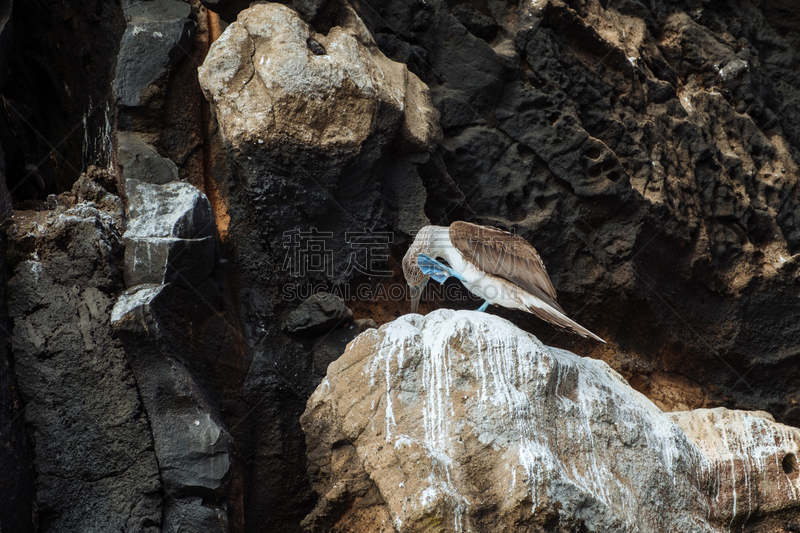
(185, 175)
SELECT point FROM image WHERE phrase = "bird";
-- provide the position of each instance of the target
(498, 266)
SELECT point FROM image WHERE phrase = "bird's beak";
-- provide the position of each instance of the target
(415, 293)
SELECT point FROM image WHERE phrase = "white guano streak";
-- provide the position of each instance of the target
(512, 370)
(393, 345)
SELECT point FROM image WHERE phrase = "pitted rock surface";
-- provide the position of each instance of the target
(650, 155)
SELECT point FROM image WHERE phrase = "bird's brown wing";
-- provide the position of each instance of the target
(505, 255)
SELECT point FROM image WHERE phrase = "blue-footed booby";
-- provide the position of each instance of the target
(500, 267)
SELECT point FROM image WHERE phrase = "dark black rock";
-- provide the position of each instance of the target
(665, 218)
(6, 36)
(228, 10)
(166, 260)
(318, 315)
(476, 22)
(6, 31)
(332, 346)
(93, 448)
(16, 483)
(158, 35)
(5, 195)
(155, 10)
(140, 161)
(192, 444)
(309, 9)
(58, 78)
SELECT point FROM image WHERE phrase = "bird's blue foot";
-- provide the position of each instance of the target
(433, 268)
(483, 307)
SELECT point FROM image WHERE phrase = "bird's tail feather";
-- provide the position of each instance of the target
(560, 320)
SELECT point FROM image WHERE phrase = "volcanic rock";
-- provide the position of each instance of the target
(192, 444)
(317, 137)
(263, 71)
(93, 451)
(170, 234)
(460, 421)
(159, 33)
(317, 315)
(140, 161)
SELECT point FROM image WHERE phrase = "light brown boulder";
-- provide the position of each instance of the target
(273, 81)
(459, 421)
(751, 460)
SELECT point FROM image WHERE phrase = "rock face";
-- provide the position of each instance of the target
(459, 421)
(93, 450)
(749, 457)
(139, 161)
(57, 86)
(649, 154)
(648, 150)
(564, 122)
(314, 131)
(118, 388)
(170, 234)
(275, 82)
(318, 315)
(324, 130)
(192, 444)
(157, 35)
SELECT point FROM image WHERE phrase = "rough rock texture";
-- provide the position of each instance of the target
(301, 141)
(274, 81)
(170, 234)
(311, 120)
(192, 444)
(550, 130)
(465, 423)
(317, 315)
(93, 450)
(140, 161)
(156, 83)
(649, 152)
(752, 459)
(647, 149)
(158, 33)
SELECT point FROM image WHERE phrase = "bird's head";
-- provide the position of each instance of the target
(414, 277)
